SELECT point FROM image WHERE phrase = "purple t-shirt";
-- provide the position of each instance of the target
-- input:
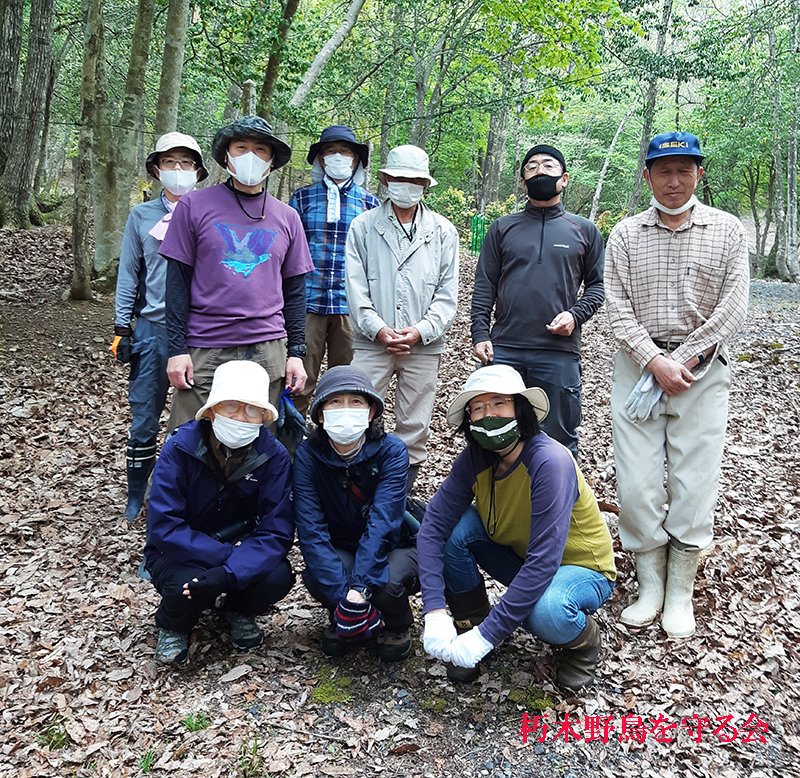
(236, 296)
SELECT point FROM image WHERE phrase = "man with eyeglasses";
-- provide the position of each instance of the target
(141, 280)
(530, 271)
(237, 259)
(327, 208)
(220, 522)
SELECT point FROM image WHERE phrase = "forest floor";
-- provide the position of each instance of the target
(81, 694)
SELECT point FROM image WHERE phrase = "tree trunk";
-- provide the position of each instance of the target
(752, 181)
(649, 111)
(777, 155)
(169, 87)
(81, 237)
(21, 163)
(231, 113)
(325, 53)
(117, 167)
(499, 125)
(55, 69)
(792, 259)
(606, 162)
(275, 57)
(10, 45)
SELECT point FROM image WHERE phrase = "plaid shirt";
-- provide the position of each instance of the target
(690, 285)
(325, 284)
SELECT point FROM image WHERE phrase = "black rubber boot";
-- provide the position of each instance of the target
(579, 658)
(413, 472)
(141, 459)
(468, 609)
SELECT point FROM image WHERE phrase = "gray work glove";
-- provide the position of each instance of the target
(642, 402)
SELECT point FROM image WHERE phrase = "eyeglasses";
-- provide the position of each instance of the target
(232, 407)
(550, 167)
(170, 163)
(487, 409)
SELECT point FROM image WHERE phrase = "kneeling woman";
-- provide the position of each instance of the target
(534, 527)
(350, 497)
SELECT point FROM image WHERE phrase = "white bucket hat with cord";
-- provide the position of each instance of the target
(175, 140)
(497, 379)
(407, 162)
(243, 381)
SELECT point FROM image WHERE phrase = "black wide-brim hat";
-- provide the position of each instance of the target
(250, 127)
(339, 133)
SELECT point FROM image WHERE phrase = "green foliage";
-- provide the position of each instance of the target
(53, 734)
(497, 209)
(195, 722)
(331, 687)
(251, 762)
(147, 760)
(606, 221)
(452, 204)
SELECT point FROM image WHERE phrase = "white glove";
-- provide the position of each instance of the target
(439, 633)
(642, 402)
(468, 649)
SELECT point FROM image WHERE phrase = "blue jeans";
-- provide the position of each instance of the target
(560, 614)
(148, 384)
(558, 373)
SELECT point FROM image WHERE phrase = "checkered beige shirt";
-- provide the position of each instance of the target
(690, 285)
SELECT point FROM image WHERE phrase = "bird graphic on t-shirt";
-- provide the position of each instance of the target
(245, 251)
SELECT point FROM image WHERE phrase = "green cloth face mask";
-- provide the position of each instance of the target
(494, 433)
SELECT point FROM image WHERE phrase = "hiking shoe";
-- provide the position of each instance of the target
(172, 647)
(245, 633)
(463, 674)
(332, 643)
(394, 646)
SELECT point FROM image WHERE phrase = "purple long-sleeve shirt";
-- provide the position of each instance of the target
(553, 492)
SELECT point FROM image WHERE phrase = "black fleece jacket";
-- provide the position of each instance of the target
(531, 268)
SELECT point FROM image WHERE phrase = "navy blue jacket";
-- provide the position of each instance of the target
(329, 516)
(189, 503)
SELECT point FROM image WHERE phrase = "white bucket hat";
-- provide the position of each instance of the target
(497, 379)
(406, 162)
(240, 380)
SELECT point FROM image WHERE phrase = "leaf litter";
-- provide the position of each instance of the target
(82, 695)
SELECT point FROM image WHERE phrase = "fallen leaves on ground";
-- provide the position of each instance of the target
(82, 695)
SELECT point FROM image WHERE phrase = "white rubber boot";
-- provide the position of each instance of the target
(651, 572)
(678, 618)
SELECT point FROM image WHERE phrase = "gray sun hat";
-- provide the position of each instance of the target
(250, 127)
(175, 140)
(407, 162)
(497, 379)
(343, 378)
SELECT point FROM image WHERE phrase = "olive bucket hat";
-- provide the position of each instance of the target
(250, 127)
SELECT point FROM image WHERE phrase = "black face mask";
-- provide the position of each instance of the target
(542, 187)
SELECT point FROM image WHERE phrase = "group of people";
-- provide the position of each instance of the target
(238, 299)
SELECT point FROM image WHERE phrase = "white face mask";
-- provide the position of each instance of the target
(675, 211)
(251, 170)
(178, 182)
(234, 434)
(338, 166)
(345, 425)
(404, 194)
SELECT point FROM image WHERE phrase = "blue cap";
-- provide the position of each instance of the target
(671, 144)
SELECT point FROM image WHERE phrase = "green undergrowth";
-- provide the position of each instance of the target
(331, 687)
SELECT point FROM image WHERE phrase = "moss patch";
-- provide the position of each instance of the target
(436, 704)
(531, 697)
(331, 687)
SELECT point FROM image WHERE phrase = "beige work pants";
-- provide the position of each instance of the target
(414, 393)
(688, 436)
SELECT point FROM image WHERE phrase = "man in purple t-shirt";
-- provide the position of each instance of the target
(237, 260)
